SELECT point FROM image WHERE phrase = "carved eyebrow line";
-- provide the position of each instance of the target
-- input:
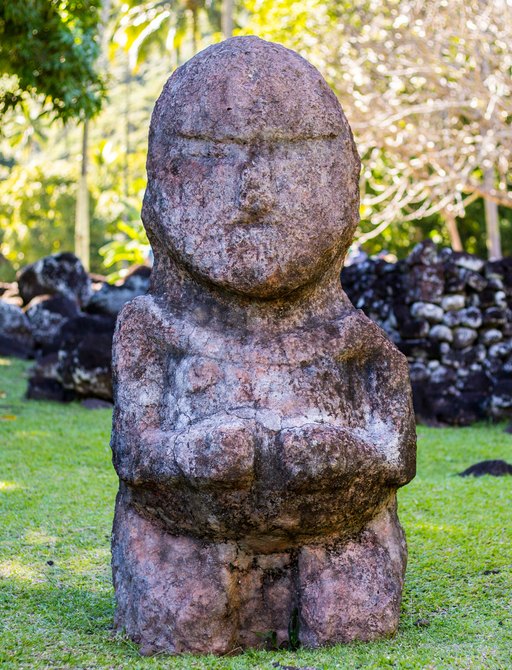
(282, 139)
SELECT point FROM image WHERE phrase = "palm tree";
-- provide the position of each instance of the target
(82, 215)
(174, 26)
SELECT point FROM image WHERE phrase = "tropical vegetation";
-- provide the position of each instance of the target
(426, 87)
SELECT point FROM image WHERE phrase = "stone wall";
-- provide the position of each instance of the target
(63, 318)
(451, 315)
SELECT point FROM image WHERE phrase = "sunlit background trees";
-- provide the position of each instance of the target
(426, 87)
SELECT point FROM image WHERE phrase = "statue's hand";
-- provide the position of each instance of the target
(147, 457)
(219, 451)
(322, 455)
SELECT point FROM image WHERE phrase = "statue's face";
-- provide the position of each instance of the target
(260, 217)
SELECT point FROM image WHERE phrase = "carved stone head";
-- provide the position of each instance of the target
(252, 170)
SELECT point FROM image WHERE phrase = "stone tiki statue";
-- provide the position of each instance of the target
(262, 424)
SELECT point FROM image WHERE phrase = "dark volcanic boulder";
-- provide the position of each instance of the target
(496, 468)
(85, 356)
(61, 274)
(111, 297)
(15, 332)
(45, 382)
(448, 312)
(46, 318)
(77, 364)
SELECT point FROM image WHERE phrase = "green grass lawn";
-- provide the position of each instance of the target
(57, 489)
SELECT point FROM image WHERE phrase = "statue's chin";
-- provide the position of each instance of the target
(265, 284)
(263, 291)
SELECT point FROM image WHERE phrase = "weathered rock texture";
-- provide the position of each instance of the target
(262, 425)
(451, 315)
(16, 337)
(67, 326)
(61, 274)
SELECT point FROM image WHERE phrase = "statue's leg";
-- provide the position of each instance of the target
(174, 593)
(352, 591)
(268, 601)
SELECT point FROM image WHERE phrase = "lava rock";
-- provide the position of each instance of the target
(110, 298)
(476, 298)
(441, 333)
(16, 338)
(428, 311)
(464, 337)
(45, 382)
(496, 468)
(46, 317)
(470, 317)
(452, 319)
(61, 274)
(494, 316)
(85, 353)
(451, 303)
(467, 261)
(490, 336)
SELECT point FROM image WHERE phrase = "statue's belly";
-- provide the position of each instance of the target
(277, 519)
(309, 473)
(274, 393)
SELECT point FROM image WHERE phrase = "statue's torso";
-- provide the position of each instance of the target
(272, 434)
(293, 379)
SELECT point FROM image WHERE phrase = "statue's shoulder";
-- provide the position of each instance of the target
(145, 317)
(359, 335)
(354, 322)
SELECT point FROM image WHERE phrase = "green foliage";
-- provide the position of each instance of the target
(57, 495)
(175, 27)
(37, 213)
(148, 39)
(39, 166)
(400, 237)
(48, 49)
(471, 232)
(129, 246)
(7, 273)
(403, 72)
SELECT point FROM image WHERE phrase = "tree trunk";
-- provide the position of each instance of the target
(82, 222)
(227, 18)
(82, 205)
(453, 231)
(491, 220)
(103, 34)
(127, 129)
(195, 29)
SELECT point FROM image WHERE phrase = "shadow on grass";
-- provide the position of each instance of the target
(52, 604)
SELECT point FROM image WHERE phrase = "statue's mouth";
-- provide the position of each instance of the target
(262, 221)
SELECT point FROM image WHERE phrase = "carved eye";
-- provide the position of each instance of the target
(217, 151)
(206, 149)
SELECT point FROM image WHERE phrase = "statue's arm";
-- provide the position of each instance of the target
(375, 430)
(143, 343)
(380, 403)
(217, 450)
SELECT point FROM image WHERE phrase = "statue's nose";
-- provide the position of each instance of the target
(256, 189)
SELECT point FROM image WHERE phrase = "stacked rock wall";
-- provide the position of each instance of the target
(64, 318)
(451, 315)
